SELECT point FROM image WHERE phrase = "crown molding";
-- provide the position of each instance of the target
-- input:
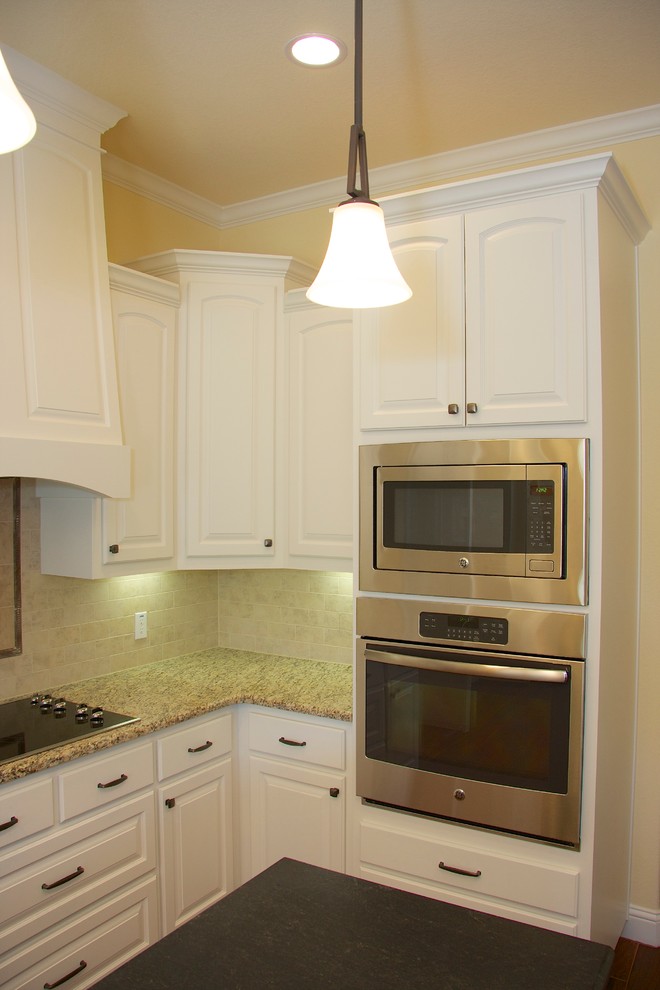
(568, 139)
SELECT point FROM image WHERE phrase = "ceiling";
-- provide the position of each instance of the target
(215, 106)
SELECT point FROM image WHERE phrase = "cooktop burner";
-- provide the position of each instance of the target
(32, 725)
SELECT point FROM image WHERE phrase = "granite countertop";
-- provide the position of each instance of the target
(170, 691)
(299, 926)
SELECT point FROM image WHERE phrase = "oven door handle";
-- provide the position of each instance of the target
(549, 676)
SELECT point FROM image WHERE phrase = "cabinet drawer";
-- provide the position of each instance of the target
(303, 741)
(186, 749)
(104, 779)
(535, 885)
(46, 881)
(25, 809)
(90, 946)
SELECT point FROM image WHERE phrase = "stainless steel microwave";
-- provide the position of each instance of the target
(492, 519)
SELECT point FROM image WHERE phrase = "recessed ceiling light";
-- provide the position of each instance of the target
(316, 49)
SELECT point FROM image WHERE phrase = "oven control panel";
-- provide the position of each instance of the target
(464, 628)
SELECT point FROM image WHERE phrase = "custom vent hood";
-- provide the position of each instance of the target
(59, 401)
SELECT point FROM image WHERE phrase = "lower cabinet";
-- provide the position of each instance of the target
(195, 817)
(297, 791)
(459, 866)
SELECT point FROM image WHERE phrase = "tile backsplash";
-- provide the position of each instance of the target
(73, 628)
(288, 612)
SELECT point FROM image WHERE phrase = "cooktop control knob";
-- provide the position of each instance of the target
(96, 718)
(59, 708)
(46, 702)
(82, 712)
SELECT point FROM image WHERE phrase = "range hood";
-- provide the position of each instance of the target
(59, 400)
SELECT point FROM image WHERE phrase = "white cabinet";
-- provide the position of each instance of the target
(460, 868)
(59, 409)
(195, 814)
(297, 784)
(320, 419)
(495, 331)
(83, 535)
(246, 403)
(78, 884)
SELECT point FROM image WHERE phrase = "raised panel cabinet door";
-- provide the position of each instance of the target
(320, 432)
(525, 311)
(412, 354)
(142, 526)
(59, 379)
(230, 431)
(196, 857)
(296, 812)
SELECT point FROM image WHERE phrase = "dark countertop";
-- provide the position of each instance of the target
(171, 691)
(297, 927)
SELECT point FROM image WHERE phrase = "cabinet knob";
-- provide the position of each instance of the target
(113, 548)
(170, 802)
(334, 792)
(452, 408)
(268, 543)
(472, 407)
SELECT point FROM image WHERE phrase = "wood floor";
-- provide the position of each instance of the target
(636, 967)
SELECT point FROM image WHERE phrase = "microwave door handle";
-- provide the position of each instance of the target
(550, 676)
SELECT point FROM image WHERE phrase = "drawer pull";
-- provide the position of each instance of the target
(291, 742)
(69, 976)
(5, 825)
(58, 883)
(200, 749)
(113, 783)
(457, 869)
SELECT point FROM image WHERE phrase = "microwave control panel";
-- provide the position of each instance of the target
(541, 517)
(463, 628)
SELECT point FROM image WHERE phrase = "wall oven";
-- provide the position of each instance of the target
(472, 713)
(494, 519)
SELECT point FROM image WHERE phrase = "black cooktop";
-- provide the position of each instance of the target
(32, 725)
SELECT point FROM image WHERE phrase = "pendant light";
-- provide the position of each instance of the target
(358, 271)
(17, 123)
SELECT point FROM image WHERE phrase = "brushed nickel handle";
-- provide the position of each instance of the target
(472, 407)
(546, 675)
(452, 409)
(268, 543)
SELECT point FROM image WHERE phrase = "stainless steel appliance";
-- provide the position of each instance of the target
(494, 519)
(472, 713)
(31, 725)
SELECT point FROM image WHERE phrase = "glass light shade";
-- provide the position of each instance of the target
(358, 271)
(17, 123)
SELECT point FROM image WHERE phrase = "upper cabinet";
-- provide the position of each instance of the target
(264, 415)
(58, 385)
(496, 331)
(84, 535)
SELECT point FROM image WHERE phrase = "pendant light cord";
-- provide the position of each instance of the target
(357, 148)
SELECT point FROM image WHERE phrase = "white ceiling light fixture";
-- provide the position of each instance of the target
(358, 271)
(316, 50)
(17, 123)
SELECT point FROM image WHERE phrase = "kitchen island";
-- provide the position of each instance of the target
(295, 925)
(170, 691)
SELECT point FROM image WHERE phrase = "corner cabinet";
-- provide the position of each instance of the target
(495, 332)
(297, 782)
(255, 433)
(84, 535)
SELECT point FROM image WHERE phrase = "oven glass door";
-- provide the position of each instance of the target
(482, 717)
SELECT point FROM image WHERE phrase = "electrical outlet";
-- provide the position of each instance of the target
(140, 625)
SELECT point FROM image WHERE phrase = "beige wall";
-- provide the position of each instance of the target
(133, 231)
